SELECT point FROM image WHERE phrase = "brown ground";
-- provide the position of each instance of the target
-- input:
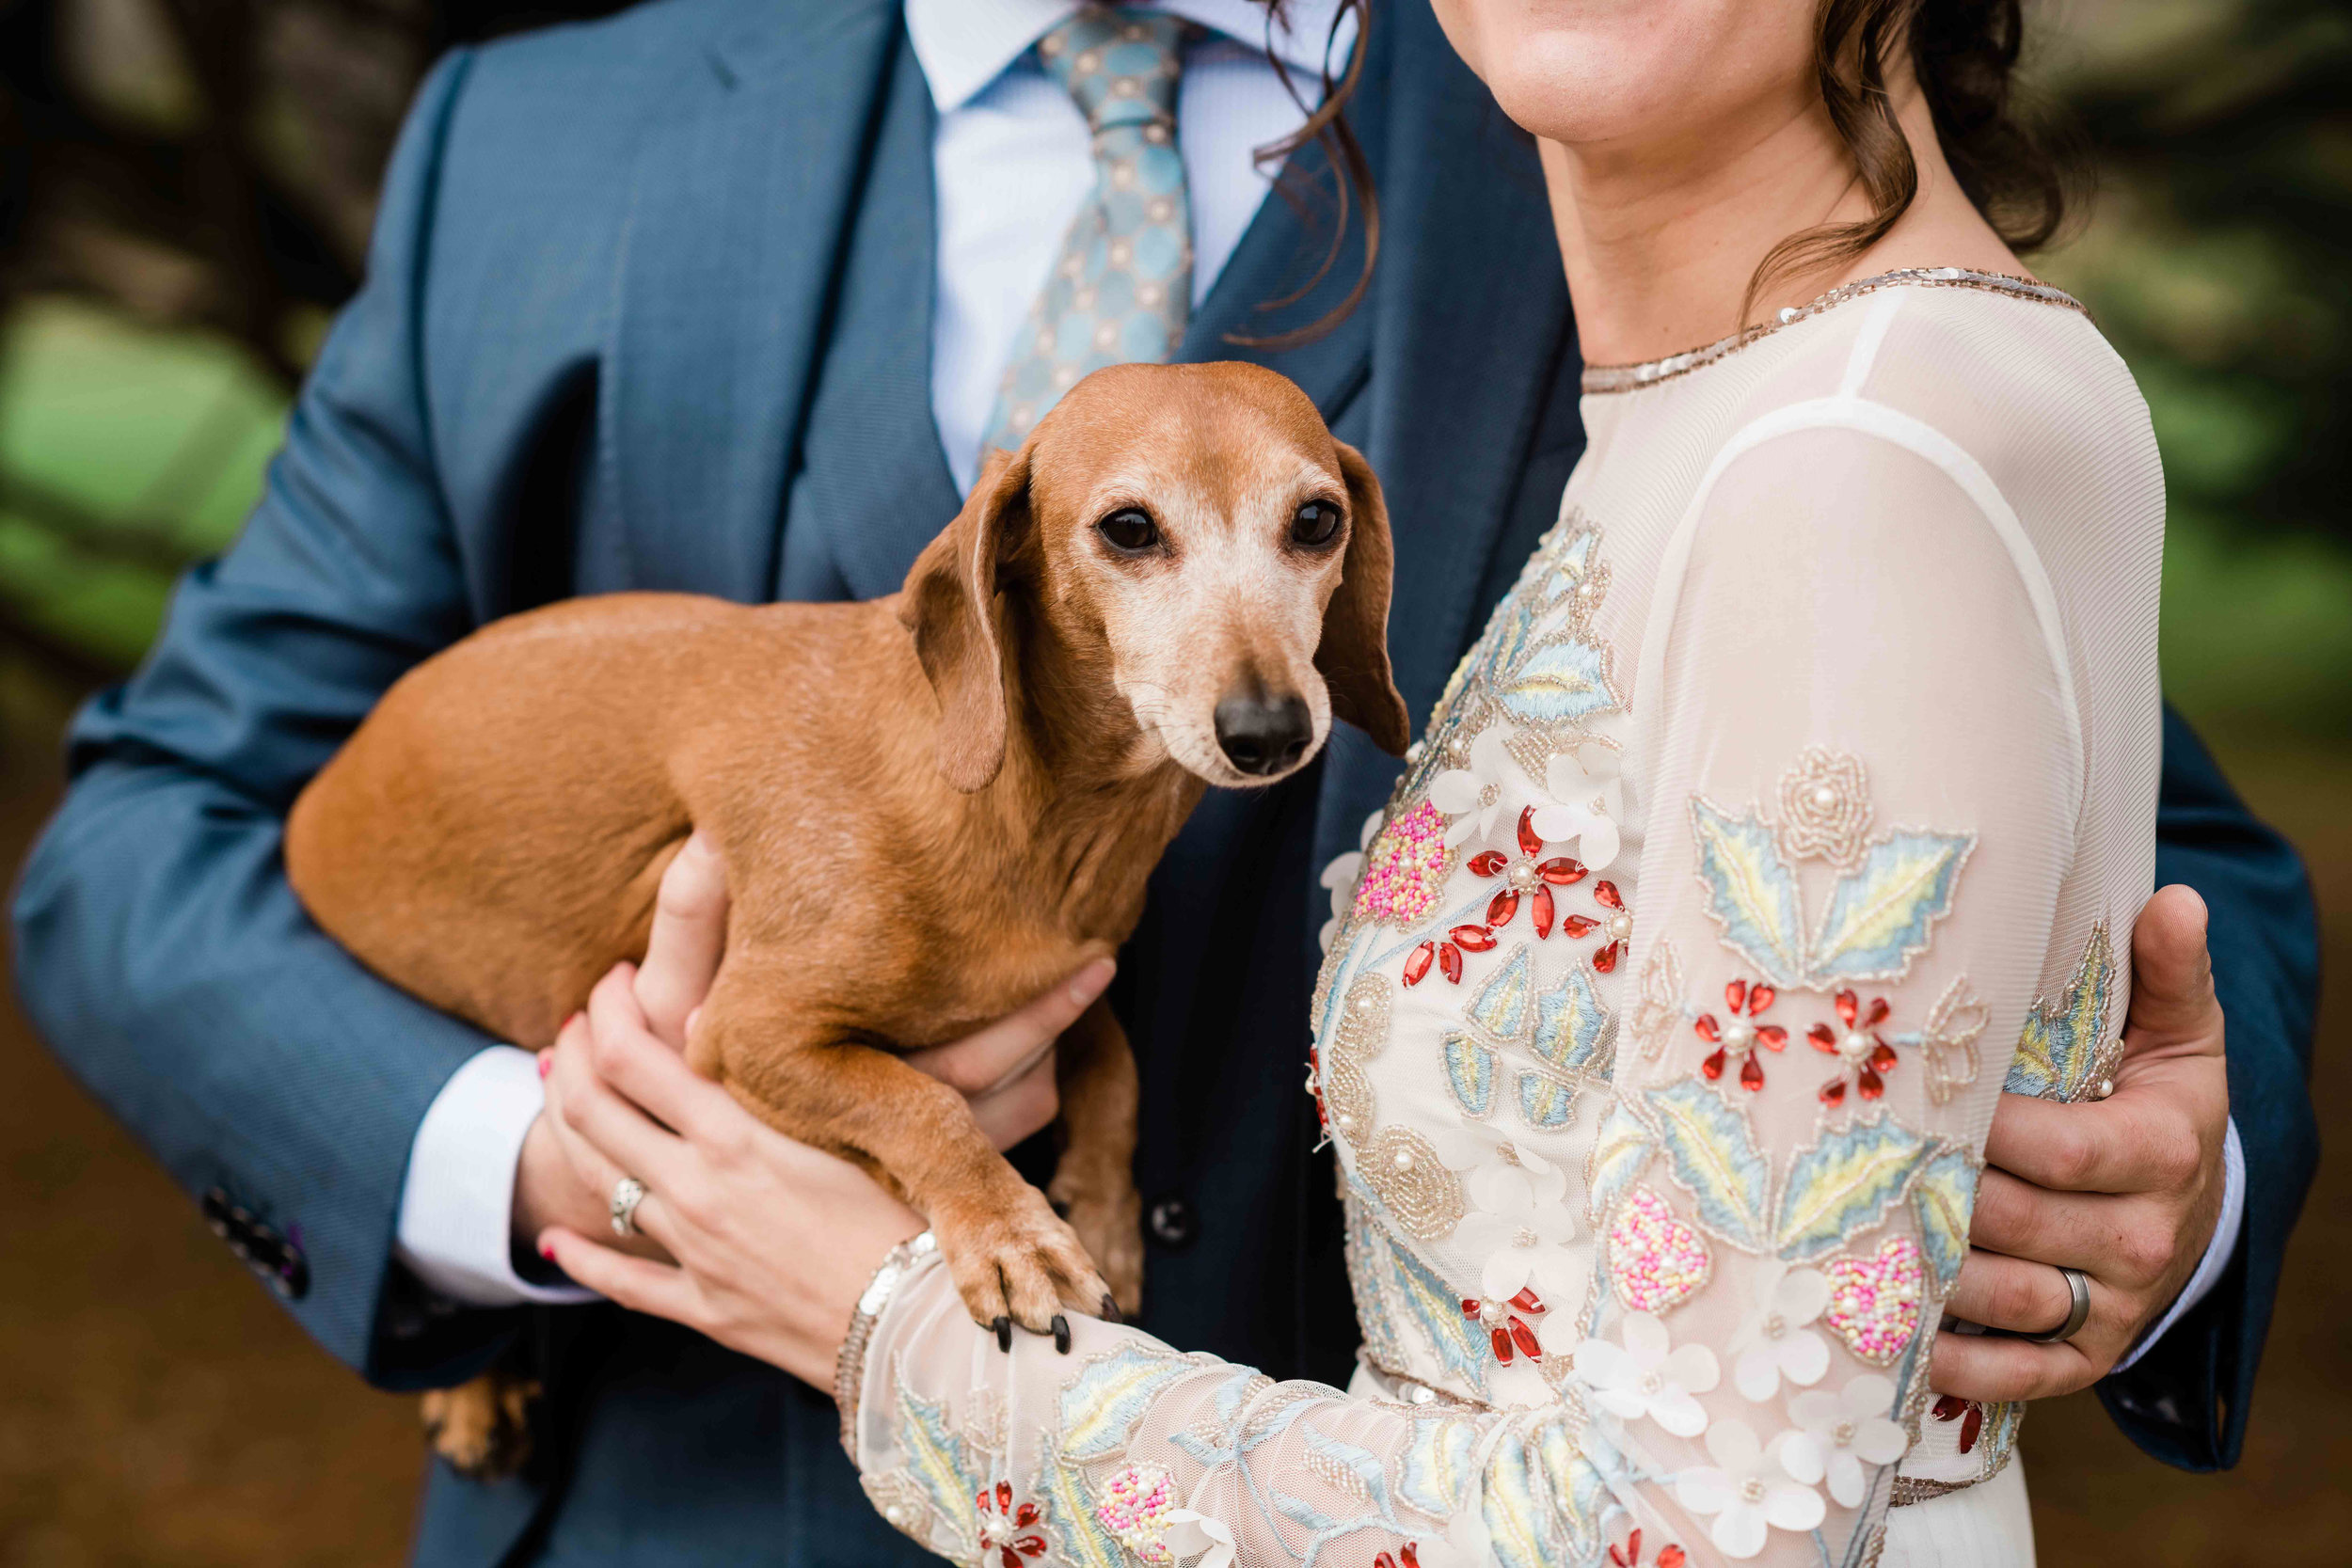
(157, 1409)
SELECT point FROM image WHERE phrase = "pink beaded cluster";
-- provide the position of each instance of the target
(1134, 1507)
(1405, 869)
(1656, 1261)
(1874, 1299)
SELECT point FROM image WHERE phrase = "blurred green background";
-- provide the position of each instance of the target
(185, 190)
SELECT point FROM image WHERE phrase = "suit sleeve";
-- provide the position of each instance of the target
(159, 948)
(2184, 1402)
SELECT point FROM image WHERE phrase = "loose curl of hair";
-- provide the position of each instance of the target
(1352, 186)
(2021, 173)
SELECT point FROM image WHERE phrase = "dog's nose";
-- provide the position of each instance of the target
(1264, 735)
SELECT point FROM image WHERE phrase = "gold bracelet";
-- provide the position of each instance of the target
(848, 1371)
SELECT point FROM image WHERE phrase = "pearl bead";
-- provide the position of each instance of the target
(1621, 927)
(1824, 797)
(1404, 1159)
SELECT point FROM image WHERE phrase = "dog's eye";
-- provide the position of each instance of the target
(1316, 525)
(1130, 533)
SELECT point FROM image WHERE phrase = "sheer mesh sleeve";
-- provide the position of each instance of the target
(1859, 767)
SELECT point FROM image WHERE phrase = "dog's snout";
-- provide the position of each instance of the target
(1263, 735)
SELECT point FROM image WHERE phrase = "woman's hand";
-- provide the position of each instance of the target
(1005, 1071)
(774, 1241)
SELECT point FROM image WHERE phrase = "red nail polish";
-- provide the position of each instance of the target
(546, 1061)
(546, 1250)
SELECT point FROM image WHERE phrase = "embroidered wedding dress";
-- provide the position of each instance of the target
(1796, 798)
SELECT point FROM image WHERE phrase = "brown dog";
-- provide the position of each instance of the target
(931, 806)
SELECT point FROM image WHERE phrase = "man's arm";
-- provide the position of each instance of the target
(2185, 1401)
(159, 947)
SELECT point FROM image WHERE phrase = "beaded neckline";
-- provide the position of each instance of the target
(1629, 378)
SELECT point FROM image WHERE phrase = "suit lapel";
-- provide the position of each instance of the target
(737, 215)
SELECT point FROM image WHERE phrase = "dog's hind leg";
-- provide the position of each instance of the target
(1094, 1186)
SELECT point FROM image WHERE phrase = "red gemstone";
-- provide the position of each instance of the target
(1670, 1556)
(1772, 1036)
(1605, 958)
(1490, 864)
(1736, 994)
(1833, 1092)
(1501, 907)
(1010, 1560)
(1882, 1058)
(1026, 1517)
(1542, 912)
(1450, 960)
(1869, 1084)
(1848, 1006)
(1473, 938)
(1530, 842)
(1527, 1300)
(1712, 1068)
(1470, 1306)
(1004, 1497)
(1502, 1347)
(1761, 997)
(1751, 1075)
(1606, 894)
(1948, 1407)
(1524, 1337)
(1384, 1560)
(982, 1501)
(1971, 1427)
(1576, 925)
(1030, 1546)
(1632, 1551)
(1879, 1009)
(1417, 965)
(1562, 871)
(1708, 1029)
(1824, 1037)
(1412, 1558)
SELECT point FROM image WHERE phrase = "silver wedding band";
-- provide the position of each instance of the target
(2077, 1314)
(627, 1192)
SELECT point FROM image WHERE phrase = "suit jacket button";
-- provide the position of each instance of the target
(1172, 1222)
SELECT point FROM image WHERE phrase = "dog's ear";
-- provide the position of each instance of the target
(1354, 652)
(951, 606)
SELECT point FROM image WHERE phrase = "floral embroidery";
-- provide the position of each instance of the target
(1825, 806)
(1862, 1052)
(1361, 1242)
(1470, 1074)
(1656, 1261)
(1749, 1488)
(1843, 1432)
(1878, 917)
(1472, 795)
(1712, 1155)
(1737, 1040)
(1403, 1170)
(1539, 1506)
(1660, 1006)
(1007, 1531)
(943, 1467)
(1630, 1555)
(1874, 1299)
(1941, 1197)
(1947, 1042)
(1951, 1407)
(2063, 1052)
(1644, 1374)
(1135, 1506)
(1404, 870)
(1617, 926)
(1774, 1341)
(1588, 802)
(1839, 1187)
(1519, 1227)
(1529, 875)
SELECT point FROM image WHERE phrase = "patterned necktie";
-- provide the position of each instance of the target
(1122, 287)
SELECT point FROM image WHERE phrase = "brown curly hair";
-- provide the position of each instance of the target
(2018, 168)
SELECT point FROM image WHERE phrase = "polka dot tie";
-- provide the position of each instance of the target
(1122, 286)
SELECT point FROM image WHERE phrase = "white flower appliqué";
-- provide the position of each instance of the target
(1473, 795)
(1774, 1340)
(1644, 1374)
(1587, 802)
(1749, 1489)
(1839, 1434)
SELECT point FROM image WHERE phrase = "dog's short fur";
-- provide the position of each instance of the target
(931, 806)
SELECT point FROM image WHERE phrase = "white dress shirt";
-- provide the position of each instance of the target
(1011, 163)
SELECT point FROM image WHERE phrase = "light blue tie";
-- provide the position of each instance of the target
(1122, 287)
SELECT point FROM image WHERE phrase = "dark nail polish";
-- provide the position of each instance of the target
(1004, 1335)
(1061, 1334)
(1111, 1314)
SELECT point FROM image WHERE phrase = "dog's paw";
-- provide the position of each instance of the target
(1111, 1224)
(1015, 1262)
(482, 1428)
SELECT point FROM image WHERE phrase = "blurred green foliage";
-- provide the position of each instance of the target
(2217, 258)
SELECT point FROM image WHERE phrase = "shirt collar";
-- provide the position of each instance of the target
(963, 45)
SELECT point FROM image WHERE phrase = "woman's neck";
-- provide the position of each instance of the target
(1660, 240)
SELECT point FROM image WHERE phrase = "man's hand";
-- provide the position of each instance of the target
(1005, 1071)
(2126, 1189)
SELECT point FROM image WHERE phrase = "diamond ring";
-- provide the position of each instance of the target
(627, 1192)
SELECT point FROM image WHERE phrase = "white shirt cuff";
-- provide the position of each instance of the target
(456, 1231)
(2217, 1251)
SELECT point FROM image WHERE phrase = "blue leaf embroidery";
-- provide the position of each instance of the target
(1881, 913)
(1469, 1072)
(2062, 1043)
(1841, 1184)
(1942, 1199)
(1751, 892)
(1714, 1157)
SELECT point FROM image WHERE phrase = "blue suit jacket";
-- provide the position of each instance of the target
(598, 300)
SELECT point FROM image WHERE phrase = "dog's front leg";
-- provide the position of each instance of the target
(1013, 1258)
(1094, 1186)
